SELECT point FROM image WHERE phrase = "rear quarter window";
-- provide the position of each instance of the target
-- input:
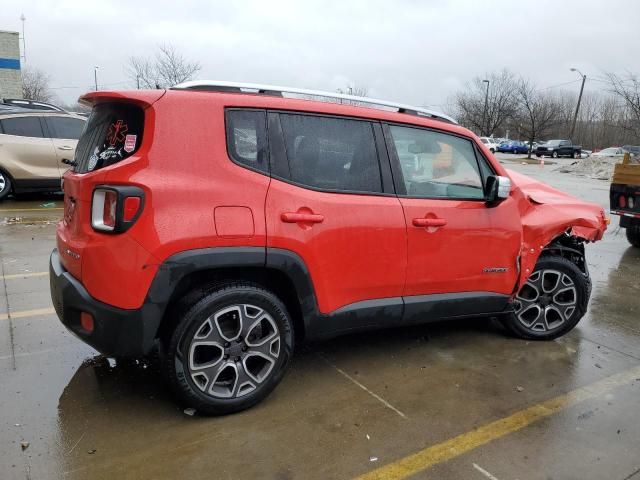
(113, 133)
(65, 127)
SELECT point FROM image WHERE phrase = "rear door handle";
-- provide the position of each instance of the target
(65, 147)
(295, 217)
(429, 222)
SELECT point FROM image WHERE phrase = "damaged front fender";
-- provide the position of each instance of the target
(547, 214)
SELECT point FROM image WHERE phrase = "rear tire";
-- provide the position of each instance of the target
(633, 235)
(552, 302)
(5, 185)
(230, 349)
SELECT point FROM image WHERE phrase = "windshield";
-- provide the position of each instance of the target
(553, 143)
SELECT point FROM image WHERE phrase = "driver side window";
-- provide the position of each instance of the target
(437, 165)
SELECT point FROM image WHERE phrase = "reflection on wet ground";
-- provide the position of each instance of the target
(85, 416)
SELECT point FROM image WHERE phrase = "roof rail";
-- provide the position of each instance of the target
(32, 104)
(222, 86)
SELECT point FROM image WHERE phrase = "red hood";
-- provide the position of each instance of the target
(547, 213)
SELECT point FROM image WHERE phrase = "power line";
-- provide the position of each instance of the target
(560, 84)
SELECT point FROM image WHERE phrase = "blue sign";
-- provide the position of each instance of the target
(10, 63)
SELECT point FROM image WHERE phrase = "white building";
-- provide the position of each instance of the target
(10, 73)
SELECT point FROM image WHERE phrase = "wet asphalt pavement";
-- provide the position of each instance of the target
(420, 401)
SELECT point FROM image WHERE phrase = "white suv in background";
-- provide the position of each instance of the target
(491, 143)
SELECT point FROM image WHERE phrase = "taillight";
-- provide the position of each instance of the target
(116, 208)
(622, 202)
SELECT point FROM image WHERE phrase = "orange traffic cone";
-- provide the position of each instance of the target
(542, 162)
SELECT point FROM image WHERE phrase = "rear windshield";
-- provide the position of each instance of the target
(113, 133)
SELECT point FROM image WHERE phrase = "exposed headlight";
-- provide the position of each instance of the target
(631, 202)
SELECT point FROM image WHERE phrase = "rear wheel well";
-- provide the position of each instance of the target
(194, 285)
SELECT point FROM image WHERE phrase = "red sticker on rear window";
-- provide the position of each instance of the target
(116, 132)
(130, 143)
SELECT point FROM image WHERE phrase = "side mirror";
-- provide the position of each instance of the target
(497, 188)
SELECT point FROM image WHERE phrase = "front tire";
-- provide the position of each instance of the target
(552, 302)
(633, 235)
(229, 350)
(554, 154)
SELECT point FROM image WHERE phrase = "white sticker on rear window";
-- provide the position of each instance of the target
(93, 160)
(130, 143)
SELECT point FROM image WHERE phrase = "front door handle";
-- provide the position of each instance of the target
(429, 222)
(295, 217)
(65, 147)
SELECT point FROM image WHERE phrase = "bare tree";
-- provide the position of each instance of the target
(167, 68)
(486, 112)
(537, 110)
(627, 88)
(35, 85)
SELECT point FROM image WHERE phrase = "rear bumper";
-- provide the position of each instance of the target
(117, 332)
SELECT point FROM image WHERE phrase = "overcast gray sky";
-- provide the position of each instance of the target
(412, 51)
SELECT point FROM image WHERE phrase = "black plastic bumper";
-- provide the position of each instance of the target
(117, 332)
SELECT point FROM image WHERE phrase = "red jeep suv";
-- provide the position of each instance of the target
(226, 222)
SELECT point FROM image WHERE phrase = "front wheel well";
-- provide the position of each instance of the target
(194, 285)
(569, 247)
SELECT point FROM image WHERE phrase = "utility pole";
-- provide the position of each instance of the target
(575, 116)
(95, 76)
(485, 127)
(24, 43)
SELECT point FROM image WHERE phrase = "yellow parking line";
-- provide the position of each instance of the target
(30, 209)
(27, 313)
(13, 276)
(454, 447)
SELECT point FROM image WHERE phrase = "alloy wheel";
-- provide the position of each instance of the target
(233, 351)
(3, 182)
(547, 301)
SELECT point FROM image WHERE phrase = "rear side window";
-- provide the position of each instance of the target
(65, 127)
(246, 138)
(113, 133)
(331, 153)
(22, 126)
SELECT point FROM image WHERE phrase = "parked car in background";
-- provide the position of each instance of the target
(513, 146)
(490, 143)
(613, 152)
(559, 148)
(33, 145)
(585, 153)
(632, 149)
